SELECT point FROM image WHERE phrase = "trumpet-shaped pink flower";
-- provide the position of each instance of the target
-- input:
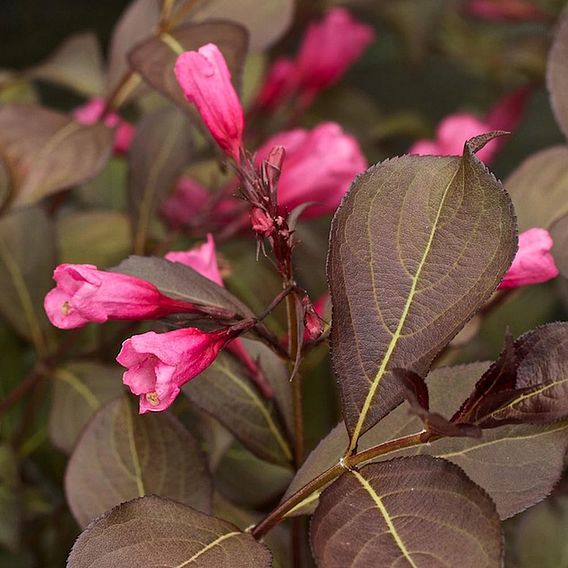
(85, 294)
(158, 365)
(504, 10)
(280, 83)
(330, 47)
(92, 111)
(205, 80)
(454, 130)
(320, 165)
(533, 262)
(203, 259)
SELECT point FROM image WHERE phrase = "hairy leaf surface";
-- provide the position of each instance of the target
(158, 532)
(416, 248)
(419, 512)
(121, 455)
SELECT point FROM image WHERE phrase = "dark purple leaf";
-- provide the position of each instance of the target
(557, 75)
(417, 511)
(416, 248)
(158, 532)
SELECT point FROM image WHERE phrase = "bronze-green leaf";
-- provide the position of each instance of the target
(79, 390)
(539, 188)
(77, 63)
(158, 532)
(155, 58)
(121, 455)
(418, 512)
(158, 154)
(27, 260)
(225, 391)
(557, 75)
(46, 151)
(416, 248)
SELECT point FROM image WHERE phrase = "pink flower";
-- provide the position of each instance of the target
(85, 294)
(533, 262)
(205, 80)
(313, 324)
(329, 48)
(320, 165)
(454, 130)
(202, 259)
(92, 111)
(280, 83)
(504, 10)
(160, 364)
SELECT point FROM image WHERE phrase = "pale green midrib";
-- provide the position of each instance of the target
(134, 453)
(146, 202)
(172, 43)
(527, 396)
(24, 296)
(266, 415)
(208, 547)
(402, 321)
(75, 382)
(392, 529)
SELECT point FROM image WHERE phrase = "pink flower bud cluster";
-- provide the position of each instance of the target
(330, 46)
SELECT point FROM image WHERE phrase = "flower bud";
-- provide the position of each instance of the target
(205, 80)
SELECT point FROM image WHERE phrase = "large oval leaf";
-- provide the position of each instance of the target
(225, 391)
(155, 58)
(122, 455)
(79, 390)
(557, 75)
(517, 465)
(159, 532)
(417, 246)
(46, 151)
(419, 512)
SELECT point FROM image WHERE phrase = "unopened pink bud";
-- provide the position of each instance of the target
(85, 294)
(205, 80)
(158, 365)
(280, 83)
(533, 262)
(261, 222)
(504, 10)
(313, 326)
(330, 47)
